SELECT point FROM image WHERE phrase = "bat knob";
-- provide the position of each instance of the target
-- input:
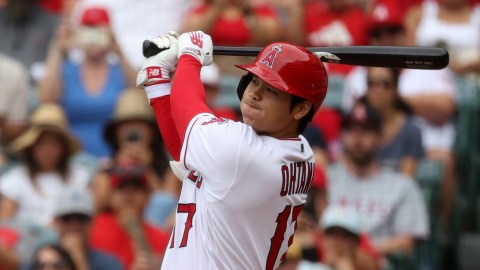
(149, 49)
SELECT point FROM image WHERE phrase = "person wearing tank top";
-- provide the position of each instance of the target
(453, 24)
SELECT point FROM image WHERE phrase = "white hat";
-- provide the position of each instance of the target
(343, 217)
(74, 201)
(210, 75)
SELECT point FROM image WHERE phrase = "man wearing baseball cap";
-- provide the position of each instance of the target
(123, 231)
(73, 215)
(390, 206)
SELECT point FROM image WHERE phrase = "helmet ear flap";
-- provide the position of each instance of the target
(242, 85)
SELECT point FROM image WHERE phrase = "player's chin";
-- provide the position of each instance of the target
(248, 121)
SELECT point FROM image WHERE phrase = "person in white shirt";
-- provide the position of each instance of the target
(28, 192)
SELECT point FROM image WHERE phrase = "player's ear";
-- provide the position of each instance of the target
(301, 109)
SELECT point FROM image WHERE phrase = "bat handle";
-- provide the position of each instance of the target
(150, 49)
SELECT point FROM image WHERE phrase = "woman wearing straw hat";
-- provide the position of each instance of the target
(135, 140)
(28, 192)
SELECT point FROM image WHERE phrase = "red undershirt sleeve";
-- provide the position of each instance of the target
(188, 94)
(161, 108)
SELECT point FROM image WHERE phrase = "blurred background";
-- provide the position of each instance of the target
(84, 176)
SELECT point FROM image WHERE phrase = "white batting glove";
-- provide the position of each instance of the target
(198, 45)
(178, 169)
(156, 69)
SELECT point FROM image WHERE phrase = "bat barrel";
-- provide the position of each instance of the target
(375, 56)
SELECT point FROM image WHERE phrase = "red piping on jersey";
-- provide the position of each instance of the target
(161, 108)
(188, 95)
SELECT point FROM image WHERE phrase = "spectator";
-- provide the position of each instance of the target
(234, 23)
(255, 25)
(73, 213)
(26, 30)
(390, 205)
(52, 256)
(429, 93)
(135, 140)
(454, 24)
(124, 232)
(401, 142)
(156, 17)
(341, 240)
(88, 89)
(326, 23)
(28, 191)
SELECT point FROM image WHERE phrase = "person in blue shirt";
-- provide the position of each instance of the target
(87, 87)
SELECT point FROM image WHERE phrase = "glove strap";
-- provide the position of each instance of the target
(158, 90)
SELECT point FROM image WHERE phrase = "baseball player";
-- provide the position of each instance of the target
(245, 183)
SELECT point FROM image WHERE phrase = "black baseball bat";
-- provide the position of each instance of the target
(371, 56)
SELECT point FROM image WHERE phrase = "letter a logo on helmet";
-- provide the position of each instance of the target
(270, 57)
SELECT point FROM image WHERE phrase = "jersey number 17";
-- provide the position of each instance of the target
(277, 239)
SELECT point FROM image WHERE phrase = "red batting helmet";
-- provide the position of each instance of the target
(290, 68)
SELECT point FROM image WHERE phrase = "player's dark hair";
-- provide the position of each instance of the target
(307, 118)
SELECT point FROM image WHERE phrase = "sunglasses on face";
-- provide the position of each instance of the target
(75, 217)
(379, 83)
(50, 265)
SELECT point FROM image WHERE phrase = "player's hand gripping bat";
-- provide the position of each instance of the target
(372, 56)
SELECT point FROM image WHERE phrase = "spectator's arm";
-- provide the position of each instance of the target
(365, 261)
(294, 28)
(265, 29)
(76, 248)
(8, 259)
(412, 19)
(400, 243)
(10, 130)
(204, 21)
(128, 71)
(50, 87)
(13, 120)
(8, 208)
(408, 166)
(100, 190)
(435, 108)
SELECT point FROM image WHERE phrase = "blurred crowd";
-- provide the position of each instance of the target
(85, 181)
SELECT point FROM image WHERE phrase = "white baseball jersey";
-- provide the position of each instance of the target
(241, 198)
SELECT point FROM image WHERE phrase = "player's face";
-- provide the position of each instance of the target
(360, 145)
(268, 110)
(382, 89)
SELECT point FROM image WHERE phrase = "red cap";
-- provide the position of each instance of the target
(385, 14)
(94, 16)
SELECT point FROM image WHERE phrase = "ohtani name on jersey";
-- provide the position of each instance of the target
(297, 178)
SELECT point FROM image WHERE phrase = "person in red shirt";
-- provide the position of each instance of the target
(123, 232)
(234, 23)
(326, 23)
